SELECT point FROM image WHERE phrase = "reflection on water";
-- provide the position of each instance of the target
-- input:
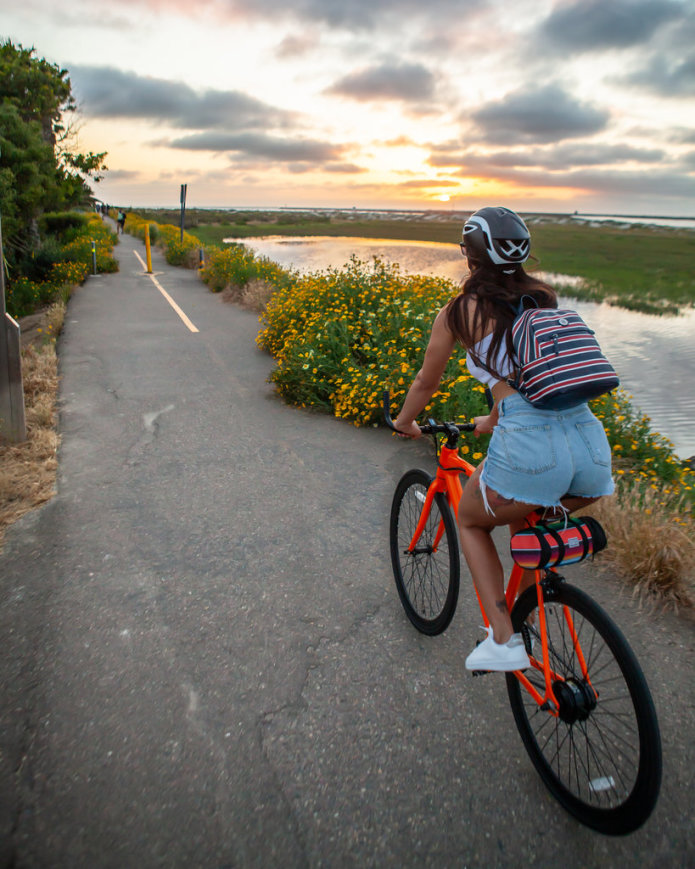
(311, 253)
(654, 356)
(655, 359)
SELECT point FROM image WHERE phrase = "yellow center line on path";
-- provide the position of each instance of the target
(166, 295)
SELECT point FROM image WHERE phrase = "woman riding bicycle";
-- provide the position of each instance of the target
(559, 460)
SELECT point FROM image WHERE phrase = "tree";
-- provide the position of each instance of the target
(40, 90)
(39, 170)
(29, 179)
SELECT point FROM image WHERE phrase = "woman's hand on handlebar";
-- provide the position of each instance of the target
(407, 429)
(484, 424)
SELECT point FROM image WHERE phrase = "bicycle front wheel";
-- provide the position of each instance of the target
(427, 577)
(601, 756)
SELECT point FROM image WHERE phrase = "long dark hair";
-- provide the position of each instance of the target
(497, 296)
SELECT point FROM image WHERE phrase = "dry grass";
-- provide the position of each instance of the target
(28, 470)
(255, 295)
(231, 294)
(650, 546)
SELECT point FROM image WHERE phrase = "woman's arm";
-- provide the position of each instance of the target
(439, 349)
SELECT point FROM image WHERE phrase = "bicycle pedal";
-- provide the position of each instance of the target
(482, 672)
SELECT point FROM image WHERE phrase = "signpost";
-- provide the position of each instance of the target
(184, 188)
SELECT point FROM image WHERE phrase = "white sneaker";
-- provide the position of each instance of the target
(503, 657)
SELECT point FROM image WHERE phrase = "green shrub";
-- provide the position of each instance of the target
(182, 253)
(37, 264)
(235, 266)
(59, 223)
(23, 296)
(43, 276)
(167, 236)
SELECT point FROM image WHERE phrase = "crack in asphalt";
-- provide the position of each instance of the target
(151, 424)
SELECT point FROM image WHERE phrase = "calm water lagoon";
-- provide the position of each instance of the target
(654, 356)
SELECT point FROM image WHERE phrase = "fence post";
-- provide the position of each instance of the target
(12, 420)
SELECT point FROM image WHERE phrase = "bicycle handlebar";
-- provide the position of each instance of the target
(431, 427)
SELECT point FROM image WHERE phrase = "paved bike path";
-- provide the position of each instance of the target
(205, 662)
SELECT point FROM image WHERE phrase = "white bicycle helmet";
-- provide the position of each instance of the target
(497, 236)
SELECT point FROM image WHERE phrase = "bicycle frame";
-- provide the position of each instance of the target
(607, 775)
(448, 481)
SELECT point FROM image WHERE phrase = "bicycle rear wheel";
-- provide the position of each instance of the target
(427, 578)
(601, 757)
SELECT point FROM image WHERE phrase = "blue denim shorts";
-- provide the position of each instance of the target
(538, 456)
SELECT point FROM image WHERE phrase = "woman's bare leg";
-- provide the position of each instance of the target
(475, 527)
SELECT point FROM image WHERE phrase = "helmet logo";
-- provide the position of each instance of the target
(514, 249)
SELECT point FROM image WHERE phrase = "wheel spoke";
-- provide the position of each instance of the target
(592, 753)
(427, 579)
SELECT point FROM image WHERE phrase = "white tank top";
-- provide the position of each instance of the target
(503, 364)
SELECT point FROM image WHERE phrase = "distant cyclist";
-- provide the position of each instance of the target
(121, 221)
(537, 458)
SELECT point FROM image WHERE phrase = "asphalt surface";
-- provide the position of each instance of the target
(205, 662)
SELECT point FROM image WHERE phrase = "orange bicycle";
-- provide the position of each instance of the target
(583, 708)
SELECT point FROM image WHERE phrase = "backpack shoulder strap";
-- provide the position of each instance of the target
(521, 307)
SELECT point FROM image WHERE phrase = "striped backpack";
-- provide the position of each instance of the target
(559, 361)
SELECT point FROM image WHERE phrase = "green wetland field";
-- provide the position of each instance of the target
(640, 267)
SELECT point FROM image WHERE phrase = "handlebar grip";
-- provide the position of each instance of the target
(387, 410)
(430, 428)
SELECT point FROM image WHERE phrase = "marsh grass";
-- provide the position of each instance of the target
(637, 267)
(28, 470)
(650, 545)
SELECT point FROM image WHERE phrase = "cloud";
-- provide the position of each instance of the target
(668, 77)
(426, 183)
(410, 82)
(344, 168)
(106, 92)
(295, 45)
(664, 184)
(123, 174)
(604, 169)
(597, 25)
(350, 14)
(261, 145)
(226, 121)
(561, 157)
(547, 114)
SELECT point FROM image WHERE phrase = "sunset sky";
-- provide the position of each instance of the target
(546, 105)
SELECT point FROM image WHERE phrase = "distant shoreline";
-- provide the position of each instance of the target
(442, 213)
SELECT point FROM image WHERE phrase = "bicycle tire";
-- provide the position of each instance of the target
(427, 580)
(601, 758)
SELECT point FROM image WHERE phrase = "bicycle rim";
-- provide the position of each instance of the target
(601, 757)
(427, 579)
